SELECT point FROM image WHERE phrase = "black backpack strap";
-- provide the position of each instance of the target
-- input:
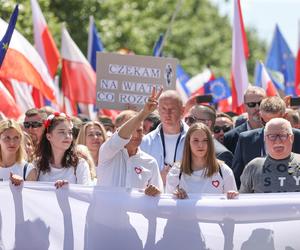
(220, 172)
(25, 170)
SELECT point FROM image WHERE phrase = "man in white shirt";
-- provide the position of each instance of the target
(121, 162)
(166, 142)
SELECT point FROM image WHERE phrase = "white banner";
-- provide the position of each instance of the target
(38, 216)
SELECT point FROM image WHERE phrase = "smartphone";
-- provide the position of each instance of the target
(295, 101)
(204, 99)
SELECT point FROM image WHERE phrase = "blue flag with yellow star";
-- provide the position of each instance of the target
(8, 34)
(280, 59)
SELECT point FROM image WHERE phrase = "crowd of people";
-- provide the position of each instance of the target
(165, 147)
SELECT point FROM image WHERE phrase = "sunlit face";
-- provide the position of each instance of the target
(199, 144)
(253, 112)
(94, 138)
(35, 127)
(170, 111)
(61, 136)
(278, 141)
(10, 141)
(136, 137)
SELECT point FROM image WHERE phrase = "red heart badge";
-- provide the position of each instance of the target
(215, 183)
(138, 170)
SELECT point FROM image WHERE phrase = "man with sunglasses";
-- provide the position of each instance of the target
(223, 124)
(279, 171)
(207, 115)
(252, 99)
(251, 143)
(34, 124)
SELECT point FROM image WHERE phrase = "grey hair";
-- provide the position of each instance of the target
(281, 121)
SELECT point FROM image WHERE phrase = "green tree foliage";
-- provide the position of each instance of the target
(199, 35)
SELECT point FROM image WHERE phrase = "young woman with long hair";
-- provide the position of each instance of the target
(200, 171)
(93, 135)
(57, 160)
(12, 153)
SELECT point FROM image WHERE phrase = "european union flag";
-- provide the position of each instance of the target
(94, 44)
(218, 88)
(4, 43)
(157, 50)
(281, 59)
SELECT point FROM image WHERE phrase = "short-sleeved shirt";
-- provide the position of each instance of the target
(79, 176)
(197, 182)
(17, 168)
(116, 168)
(267, 175)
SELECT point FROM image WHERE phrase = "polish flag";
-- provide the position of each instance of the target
(297, 77)
(266, 82)
(196, 83)
(240, 52)
(23, 64)
(78, 77)
(44, 42)
(8, 106)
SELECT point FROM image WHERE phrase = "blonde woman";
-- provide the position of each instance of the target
(12, 153)
(93, 135)
(200, 171)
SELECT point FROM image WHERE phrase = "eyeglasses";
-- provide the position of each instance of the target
(253, 104)
(282, 137)
(34, 124)
(217, 129)
(192, 119)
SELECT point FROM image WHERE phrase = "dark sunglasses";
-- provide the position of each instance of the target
(252, 104)
(192, 120)
(34, 124)
(217, 129)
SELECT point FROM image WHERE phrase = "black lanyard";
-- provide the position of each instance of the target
(164, 145)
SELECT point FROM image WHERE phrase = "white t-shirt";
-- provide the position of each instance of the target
(82, 174)
(170, 147)
(197, 183)
(17, 169)
(117, 169)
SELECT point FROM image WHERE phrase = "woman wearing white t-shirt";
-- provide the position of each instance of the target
(200, 171)
(12, 152)
(57, 160)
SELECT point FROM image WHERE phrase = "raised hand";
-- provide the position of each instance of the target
(152, 102)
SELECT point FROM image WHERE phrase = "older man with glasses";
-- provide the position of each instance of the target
(251, 143)
(279, 171)
(34, 124)
(252, 99)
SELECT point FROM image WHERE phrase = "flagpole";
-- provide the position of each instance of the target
(178, 5)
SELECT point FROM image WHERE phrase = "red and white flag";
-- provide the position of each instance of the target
(297, 77)
(24, 65)
(266, 82)
(78, 76)
(8, 105)
(240, 52)
(43, 40)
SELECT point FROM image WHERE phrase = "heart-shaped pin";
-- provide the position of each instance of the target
(138, 170)
(215, 183)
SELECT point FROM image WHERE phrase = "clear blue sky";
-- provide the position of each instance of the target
(263, 16)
